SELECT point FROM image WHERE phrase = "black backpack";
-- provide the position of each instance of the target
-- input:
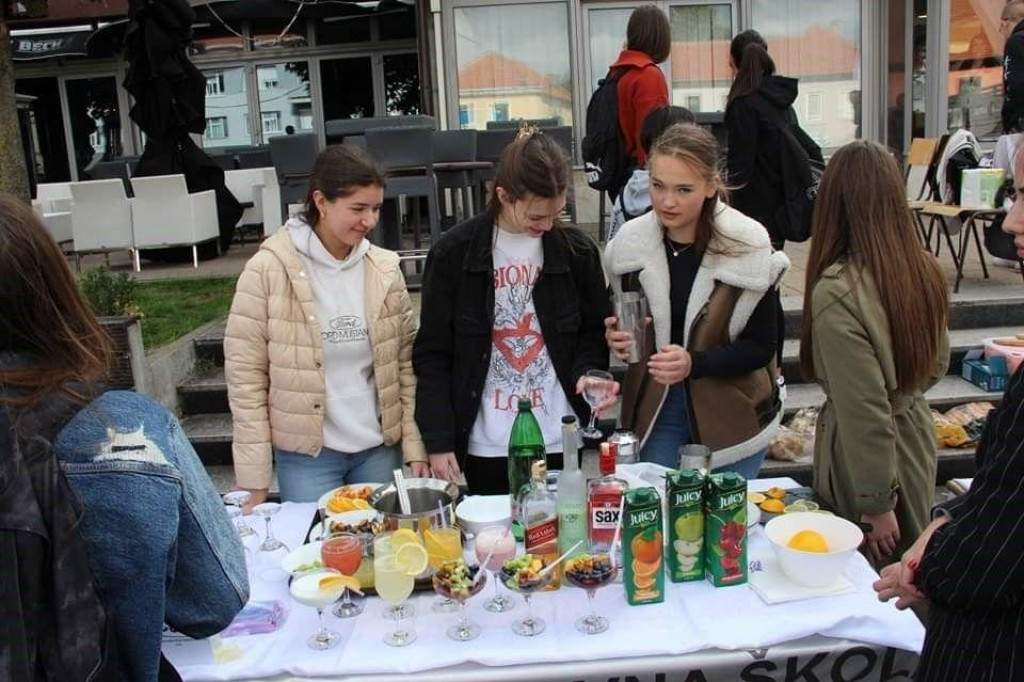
(800, 166)
(604, 157)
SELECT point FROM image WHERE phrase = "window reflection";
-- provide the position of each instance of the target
(607, 36)
(268, 34)
(975, 66)
(226, 109)
(95, 120)
(347, 89)
(513, 62)
(402, 84)
(817, 41)
(700, 56)
(210, 39)
(284, 98)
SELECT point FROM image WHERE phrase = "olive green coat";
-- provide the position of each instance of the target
(874, 450)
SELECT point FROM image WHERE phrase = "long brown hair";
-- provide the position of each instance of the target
(697, 148)
(42, 314)
(749, 53)
(339, 171)
(648, 31)
(861, 217)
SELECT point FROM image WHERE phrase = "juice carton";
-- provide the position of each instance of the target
(684, 491)
(725, 530)
(642, 541)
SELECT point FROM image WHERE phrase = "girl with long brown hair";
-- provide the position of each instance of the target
(874, 337)
(710, 277)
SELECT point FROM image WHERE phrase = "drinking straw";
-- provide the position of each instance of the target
(403, 493)
(440, 510)
(494, 545)
(551, 566)
(618, 529)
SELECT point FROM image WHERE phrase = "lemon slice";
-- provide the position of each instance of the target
(756, 498)
(796, 507)
(333, 582)
(810, 506)
(411, 558)
(403, 536)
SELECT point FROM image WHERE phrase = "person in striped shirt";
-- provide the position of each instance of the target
(968, 562)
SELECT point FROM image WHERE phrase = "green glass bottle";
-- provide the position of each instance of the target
(525, 446)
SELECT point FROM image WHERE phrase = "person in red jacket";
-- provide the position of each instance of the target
(641, 86)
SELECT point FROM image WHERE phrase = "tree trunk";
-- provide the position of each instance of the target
(13, 175)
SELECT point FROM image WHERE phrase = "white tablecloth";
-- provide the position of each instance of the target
(694, 616)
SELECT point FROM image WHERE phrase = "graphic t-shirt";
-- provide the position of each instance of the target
(520, 363)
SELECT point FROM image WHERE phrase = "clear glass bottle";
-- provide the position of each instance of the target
(572, 492)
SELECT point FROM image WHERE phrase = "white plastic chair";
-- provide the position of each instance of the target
(165, 214)
(101, 217)
(57, 223)
(54, 196)
(259, 186)
(269, 201)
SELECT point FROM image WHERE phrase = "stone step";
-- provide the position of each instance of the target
(953, 463)
(210, 346)
(949, 392)
(204, 393)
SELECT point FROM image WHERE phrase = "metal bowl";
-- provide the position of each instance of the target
(424, 496)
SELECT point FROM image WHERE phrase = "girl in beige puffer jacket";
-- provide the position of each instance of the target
(318, 346)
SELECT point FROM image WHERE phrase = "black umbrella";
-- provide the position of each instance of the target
(170, 103)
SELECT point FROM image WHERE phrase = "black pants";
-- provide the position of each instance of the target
(489, 475)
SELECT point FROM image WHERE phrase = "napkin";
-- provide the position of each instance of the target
(766, 578)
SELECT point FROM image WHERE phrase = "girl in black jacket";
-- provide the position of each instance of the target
(759, 102)
(513, 305)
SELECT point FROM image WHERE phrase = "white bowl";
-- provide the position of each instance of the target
(306, 557)
(477, 512)
(813, 569)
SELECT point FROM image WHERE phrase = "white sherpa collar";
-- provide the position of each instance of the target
(750, 265)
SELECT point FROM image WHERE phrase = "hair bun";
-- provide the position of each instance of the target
(526, 131)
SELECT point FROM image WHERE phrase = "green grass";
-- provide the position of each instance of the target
(172, 309)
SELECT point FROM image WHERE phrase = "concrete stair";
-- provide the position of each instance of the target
(207, 421)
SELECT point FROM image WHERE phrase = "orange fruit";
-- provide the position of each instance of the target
(647, 551)
(808, 541)
(775, 493)
(644, 569)
(774, 506)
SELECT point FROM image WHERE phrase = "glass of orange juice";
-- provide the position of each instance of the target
(443, 545)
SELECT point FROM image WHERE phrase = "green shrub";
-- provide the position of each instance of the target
(109, 293)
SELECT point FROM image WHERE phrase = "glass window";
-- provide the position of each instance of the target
(975, 66)
(700, 55)
(607, 34)
(398, 24)
(215, 39)
(499, 111)
(517, 55)
(49, 154)
(347, 90)
(340, 30)
(268, 34)
(465, 116)
(818, 41)
(814, 107)
(95, 122)
(284, 98)
(216, 128)
(226, 100)
(402, 84)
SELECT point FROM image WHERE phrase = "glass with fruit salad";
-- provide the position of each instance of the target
(525, 574)
(591, 571)
(458, 581)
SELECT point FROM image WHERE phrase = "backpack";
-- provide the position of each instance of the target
(604, 156)
(800, 167)
(960, 152)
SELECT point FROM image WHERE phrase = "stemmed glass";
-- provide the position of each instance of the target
(443, 544)
(503, 543)
(458, 581)
(308, 589)
(343, 552)
(249, 541)
(394, 584)
(271, 551)
(527, 580)
(238, 499)
(597, 387)
(590, 572)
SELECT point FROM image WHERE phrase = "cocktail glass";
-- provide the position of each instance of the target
(526, 583)
(238, 499)
(597, 386)
(393, 585)
(344, 553)
(590, 572)
(503, 543)
(306, 589)
(271, 551)
(443, 544)
(464, 630)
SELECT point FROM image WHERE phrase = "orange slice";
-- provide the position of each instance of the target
(775, 493)
(645, 570)
(756, 498)
(774, 506)
(333, 582)
(643, 582)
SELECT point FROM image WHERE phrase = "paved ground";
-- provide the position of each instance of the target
(233, 261)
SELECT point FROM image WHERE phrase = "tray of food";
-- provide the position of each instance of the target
(776, 501)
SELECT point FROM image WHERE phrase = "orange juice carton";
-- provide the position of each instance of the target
(642, 547)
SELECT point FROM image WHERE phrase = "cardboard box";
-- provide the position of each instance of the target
(978, 187)
(989, 375)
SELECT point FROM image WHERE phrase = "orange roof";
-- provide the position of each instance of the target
(495, 71)
(818, 52)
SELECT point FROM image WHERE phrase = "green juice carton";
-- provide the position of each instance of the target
(725, 530)
(642, 547)
(684, 491)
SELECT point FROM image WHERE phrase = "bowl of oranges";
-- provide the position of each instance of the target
(813, 548)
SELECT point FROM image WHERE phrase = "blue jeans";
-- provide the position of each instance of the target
(672, 430)
(304, 479)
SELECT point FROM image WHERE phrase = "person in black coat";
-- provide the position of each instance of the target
(759, 101)
(968, 563)
(1011, 25)
(513, 305)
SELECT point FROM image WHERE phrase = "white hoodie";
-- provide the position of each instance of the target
(351, 422)
(635, 200)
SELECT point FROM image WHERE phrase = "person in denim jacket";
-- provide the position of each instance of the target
(161, 548)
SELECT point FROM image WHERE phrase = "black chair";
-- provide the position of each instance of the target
(225, 161)
(519, 122)
(336, 130)
(111, 170)
(293, 157)
(456, 165)
(254, 158)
